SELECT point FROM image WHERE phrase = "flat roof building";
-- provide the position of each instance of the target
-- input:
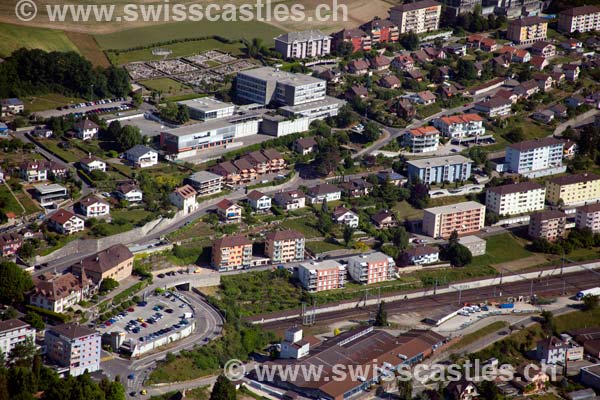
(440, 169)
(207, 108)
(516, 198)
(325, 275)
(466, 217)
(73, 346)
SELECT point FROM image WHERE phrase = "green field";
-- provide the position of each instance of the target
(166, 86)
(479, 334)
(322, 247)
(179, 50)
(8, 203)
(48, 102)
(501, 249)
(13, 37)
(306, 226)
(146, 36)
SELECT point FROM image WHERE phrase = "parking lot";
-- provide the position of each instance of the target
(158, 315)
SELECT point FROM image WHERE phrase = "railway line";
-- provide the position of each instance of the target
(567, 284)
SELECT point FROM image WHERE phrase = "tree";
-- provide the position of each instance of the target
(381, 317)
(489, 390)
(348, 233)
(465, 69)
(405, 389)
(35, 320)
(129, 137)
(400, 238)
(458, 255)
(223, 389)
(14, 282)
(590, 302)
(410, 41)
(371, 131)
(515, 135)
(26, 251)
(344, 49)
(22, 353)
(108, 285)
(547, 321)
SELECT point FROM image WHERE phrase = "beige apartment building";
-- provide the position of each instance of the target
(464, 218)
(285, 246)
(325, 275)
(419, 17)
(588, 216)
(549, 225)
(116, 263)
(573, 189)
(231, 252)
(581, 19)
(527, 30)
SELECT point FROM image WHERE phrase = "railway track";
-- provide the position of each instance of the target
(567, 284)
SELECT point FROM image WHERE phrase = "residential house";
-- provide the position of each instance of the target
(544, 49)
(343, 216)
(229, 212)
(34, 171)
(527, 89)
(463, 389)
(420, 255)
(415, 75)
(228, 171)
(539, 62)
(356, 188)
(570, 149)
(494, 107)
(390, 82)
(130, 192)
(259, 201)
(86, 129)
(57, 293)
(384, 219)
(184, 198)
(435, 53)
(381, 30)
(358, 67)
(379, 63)
(275, 161)
(545, 81)
(245, 169)
(548, 225)
(575, 101)
(231, 253)
(545, 116)
(331, 75)
(482, 43)
(394, 178)
(530, 379)
(14, 332)
(403, 62)
(42, 132)
(355, 91)
(115, 262)
(558, 76)
(290, 200)
(323, 192)
(559, 110)
(10, 243)
(404, 109)
(92, 206)
(460, 126)
(371, 268)
(142, 156)
(571, 72)
(92, 163)
(284, 246)
(65, 222)
(305, 145)
(458, 49)
(12, 106)
(359, 39)
(423, 98)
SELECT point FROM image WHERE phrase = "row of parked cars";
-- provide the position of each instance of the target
(93, 103)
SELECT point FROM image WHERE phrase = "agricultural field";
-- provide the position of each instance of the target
(179, 50)
(89, 48)
(13, 37)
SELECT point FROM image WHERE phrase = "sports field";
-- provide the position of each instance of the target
(13, 37)
(181, 49)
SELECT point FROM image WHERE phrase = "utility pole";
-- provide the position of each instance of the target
(531, 289)
(459, 296)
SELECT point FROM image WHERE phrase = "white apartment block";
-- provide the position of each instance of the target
(305, 44)
(371, 268)
(418, 17)
(588, 216)
(422, 140)
(460, 126)
(582, 19)
(319, 276)
(534, 155)
(515, 198)
(13, 332)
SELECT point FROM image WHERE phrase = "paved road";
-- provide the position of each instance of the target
(582, 119)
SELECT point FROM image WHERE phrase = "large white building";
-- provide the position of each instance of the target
(534, 155)
(418, 17)
(13, 332)
(207, 108)
(425, 139)
(516, 198)
(440, 169)
(73, 346)
(305, 44)
(460, 126)
(581, 19)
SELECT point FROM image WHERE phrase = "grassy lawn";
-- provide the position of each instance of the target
(13, 37)
(48, 101)
(183, 370)
(306, 226)
(447, 200)
(479, 334)
(577, 319)
(70, 155)
(131, 215)
(427, 111)
(322, 247)
(27, 202)
(167, 86)
(500, 249)
(8, 203)
(179, 50)
(191, 252)
(148, 35)
(197, 229)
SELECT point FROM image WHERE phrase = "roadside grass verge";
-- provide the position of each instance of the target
(479, 334)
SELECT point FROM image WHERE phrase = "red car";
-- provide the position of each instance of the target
(145, 325)
(107, 323)
(131, 309)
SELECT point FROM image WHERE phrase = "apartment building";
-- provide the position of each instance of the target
(588, 216)
(534, 155)
(466, 217)
(319, 276)
(205, 183)
(14, 332)
(581, 19)
(305, 44)
(231, 253)
(421, 140)
(527, 30)
(359, 39)
(381, 30)
(268, 85)
(59, 292)
(460, 126)
(115, 262)
(440, 169)
(572, 190)
(418, 17)
(73, 346)
(548, 225)
(497, 106)
(285, 246)
(371, 268)
(516, 198)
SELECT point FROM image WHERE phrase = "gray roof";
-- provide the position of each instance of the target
(303, 36)
(273, 74)
(72, 330)
(203, 176)
(439, 161)
(139, 150)
(206, 104)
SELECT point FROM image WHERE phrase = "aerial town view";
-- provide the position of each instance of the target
(300, 200)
